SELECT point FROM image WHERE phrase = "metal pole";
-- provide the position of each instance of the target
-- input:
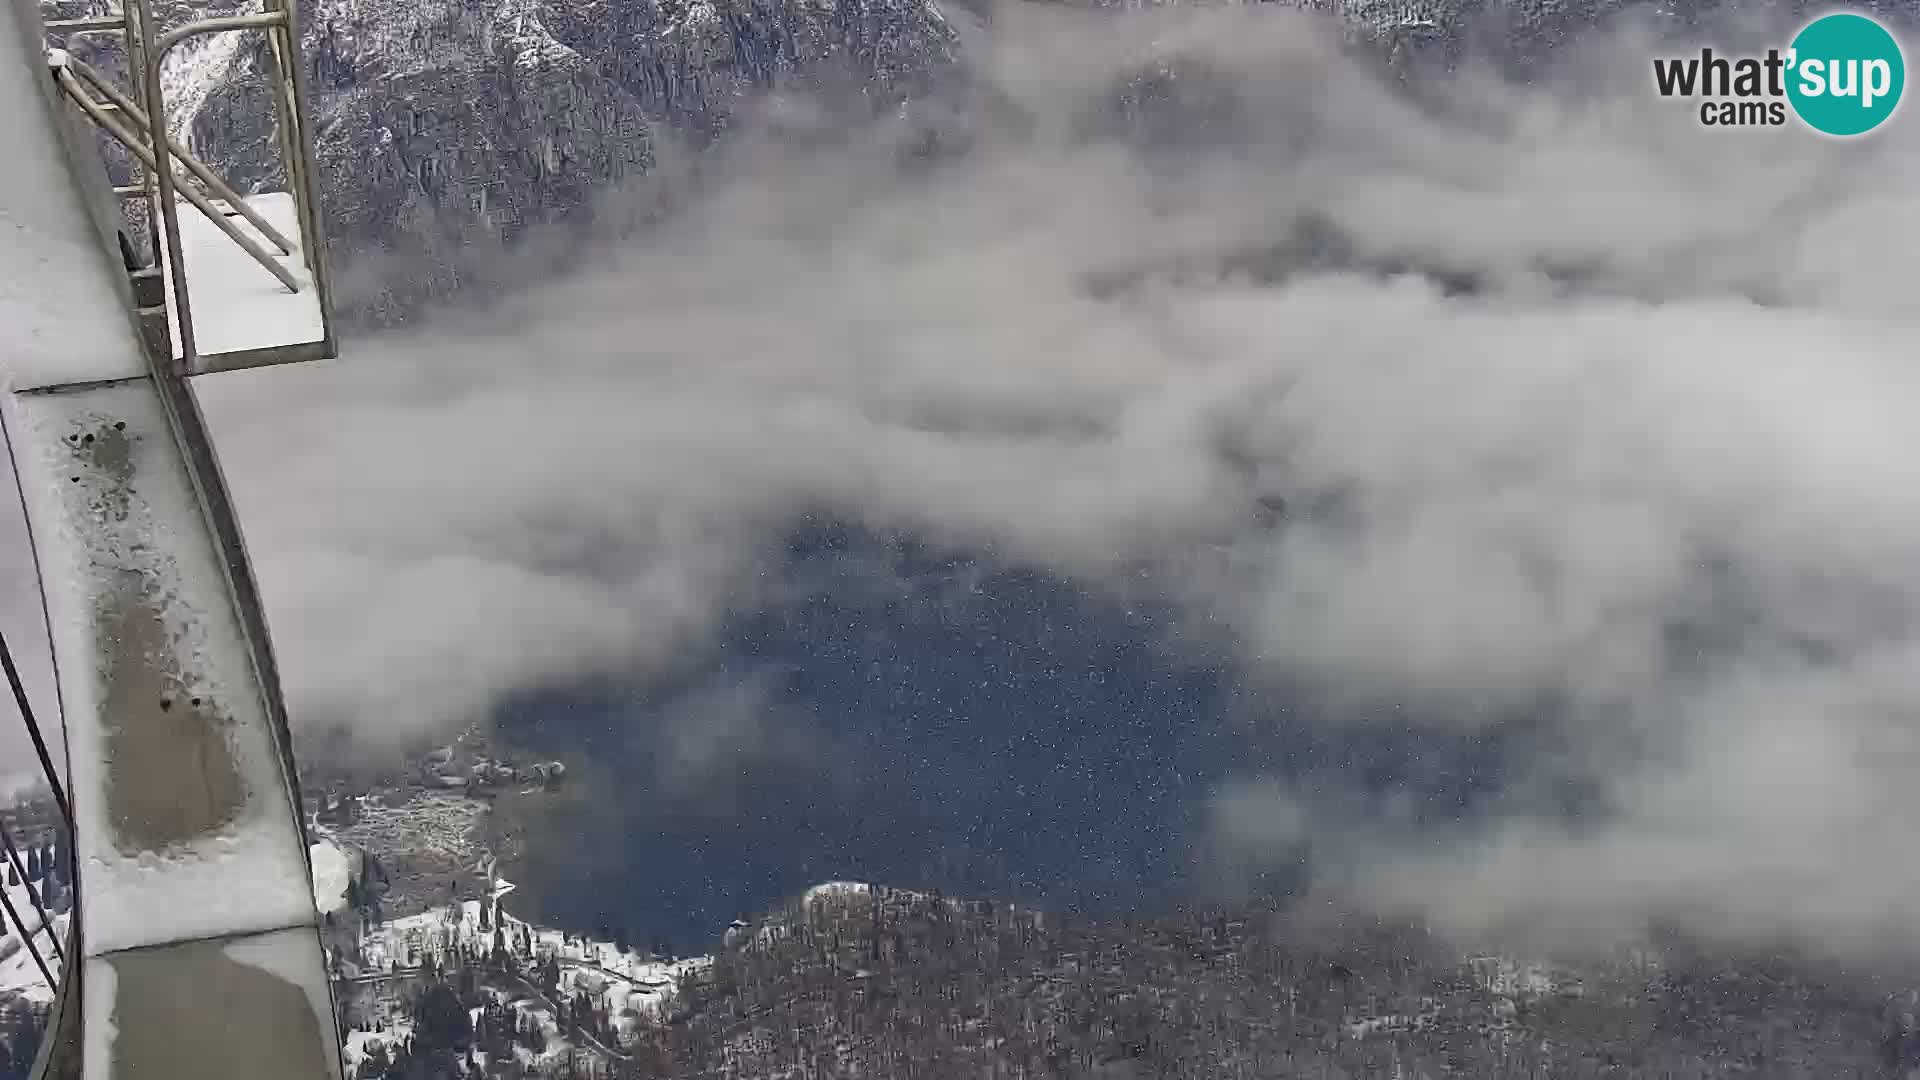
(312, 225)
(163, 184)
(87, 25)
(207, 26)
(286, 124)
(199, 201)
(134, 50)
(215, 185)
(163, 171)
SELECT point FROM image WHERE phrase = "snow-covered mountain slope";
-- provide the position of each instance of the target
(538, 976)
(443, 122)
(628, 979)
(532, 977)
(442, 125)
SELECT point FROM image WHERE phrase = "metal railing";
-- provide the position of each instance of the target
(70, 73)
(142, 130)
(129, 38)
(53, 964)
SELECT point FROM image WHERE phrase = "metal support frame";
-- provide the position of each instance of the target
(97, 22)
(252, 975)
(140, 149)
(130, 49)
(59, 1054)
(215, 186)
(294, 152)
(145, 54)
(131, 36)
(153, 152)
(293, 106)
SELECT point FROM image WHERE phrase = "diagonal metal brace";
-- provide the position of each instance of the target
(138, 147)
(216, 186)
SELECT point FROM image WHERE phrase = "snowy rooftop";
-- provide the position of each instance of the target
(237, 306)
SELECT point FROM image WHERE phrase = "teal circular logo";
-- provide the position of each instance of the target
(1845, 74)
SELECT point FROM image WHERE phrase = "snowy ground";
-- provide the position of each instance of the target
(630, 987)
(427, 846)
(333, 868)
(616, 979)
(373, 963)
(445, 825)
(627, 985)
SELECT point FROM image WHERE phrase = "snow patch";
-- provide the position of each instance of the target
(99, 989)
(835, 890)
(525, 37)
(193, 72)
(332, 873)
(237, 304)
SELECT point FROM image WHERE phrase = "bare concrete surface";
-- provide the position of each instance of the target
(190, 1011)
(171, 775)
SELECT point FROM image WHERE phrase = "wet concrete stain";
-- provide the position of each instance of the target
(171, 776)
(191, 1010)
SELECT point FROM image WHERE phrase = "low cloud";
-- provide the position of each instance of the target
(719, 738)
(1500, 400)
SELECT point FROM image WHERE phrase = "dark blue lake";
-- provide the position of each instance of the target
(928, 720)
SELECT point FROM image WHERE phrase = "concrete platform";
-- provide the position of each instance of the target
(240, 311)
(250, 1008)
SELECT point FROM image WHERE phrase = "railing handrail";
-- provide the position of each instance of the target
(198, 168)
(142, 149)
(162, 154)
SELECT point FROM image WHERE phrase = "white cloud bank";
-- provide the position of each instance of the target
(1683, 395)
